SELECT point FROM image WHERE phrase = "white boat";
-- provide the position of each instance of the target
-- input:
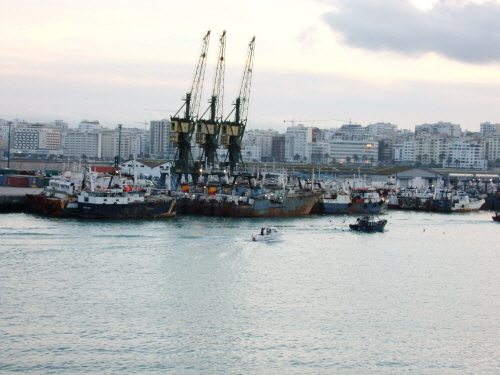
(267, 234)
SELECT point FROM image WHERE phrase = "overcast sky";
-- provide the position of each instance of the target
(406, 62)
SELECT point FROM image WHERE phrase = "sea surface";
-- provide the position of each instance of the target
(194, 295)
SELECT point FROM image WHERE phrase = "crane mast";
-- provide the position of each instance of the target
(207, 131)
(232, 132)
(181, 129)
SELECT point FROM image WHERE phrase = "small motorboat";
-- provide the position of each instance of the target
(496, 217)
(267, 234)
(368, 223)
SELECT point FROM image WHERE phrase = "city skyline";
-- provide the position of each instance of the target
(401, 62)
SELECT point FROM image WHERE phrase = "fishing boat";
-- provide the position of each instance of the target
(453, 200)
(119, 200)
(246, 194)
(368, 223)
(267, 234)
(350, 201)
(59, 198)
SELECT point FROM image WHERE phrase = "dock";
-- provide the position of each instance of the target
(13, 199)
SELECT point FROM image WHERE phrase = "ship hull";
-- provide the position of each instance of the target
(292, 206)
(147, 209)
(66, 207)
(326, 207)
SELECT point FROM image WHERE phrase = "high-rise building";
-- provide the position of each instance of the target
(160, 145)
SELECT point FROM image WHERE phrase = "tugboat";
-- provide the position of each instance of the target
(368, 223)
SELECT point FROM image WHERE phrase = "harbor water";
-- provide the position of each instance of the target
(194, 295)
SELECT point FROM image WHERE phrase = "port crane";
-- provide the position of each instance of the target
(207, 131)
(232, 131)
(182, 128)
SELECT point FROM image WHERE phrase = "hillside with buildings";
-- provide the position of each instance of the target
(439, 145)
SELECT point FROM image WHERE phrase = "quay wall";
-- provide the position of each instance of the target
(13, 199)
(44, 166)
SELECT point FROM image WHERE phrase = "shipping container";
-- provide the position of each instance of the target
(31, 181)
(40, 182)
(103, 169)
(6, 172)
(51, 172)
(17, 181)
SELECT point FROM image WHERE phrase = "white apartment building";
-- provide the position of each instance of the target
(4, 129)
(129, 144)
(89, 126)
(487, 128)
(319, 152)
(296, 139)
(383, 129)
(492, 143)
(404, 152)
(251, 153)
(443, 128)
(432, 148)
(77, 143)
(467, 155)
(160, 145)
(364, 150)
(39, 139)
(261, 138)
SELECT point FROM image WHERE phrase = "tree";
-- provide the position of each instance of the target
(355, 157)
(296, 157)
(426, 158)
(372, 159)
(327, 156)
(364, 158)
(441, 157)
(449, 160)
(457, 163)
(348, 159)
(333, 161)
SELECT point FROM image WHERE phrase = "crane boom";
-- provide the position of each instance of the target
(207, 131)
(232, 132)
(181, 129)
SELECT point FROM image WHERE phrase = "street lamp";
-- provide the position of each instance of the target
(119, 141)
(8, 146)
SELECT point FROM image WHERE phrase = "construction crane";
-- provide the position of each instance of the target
(182, 128)
(145, 124)
(207, 131)
(293, 121)
(232, 132)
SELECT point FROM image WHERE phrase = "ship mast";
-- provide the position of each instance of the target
(232, 132)
(207, 131)
(181, 129)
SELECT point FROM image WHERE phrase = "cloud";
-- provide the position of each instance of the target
(462, 31)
